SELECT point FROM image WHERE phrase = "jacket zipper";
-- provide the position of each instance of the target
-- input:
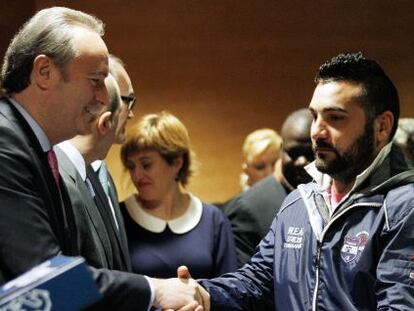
(319, 246)
(318, 256)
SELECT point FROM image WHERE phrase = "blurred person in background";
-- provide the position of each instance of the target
(261, 150)
(404, 138)
(166, 225)
(251, 212)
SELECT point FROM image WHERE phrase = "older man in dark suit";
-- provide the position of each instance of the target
(53, 74)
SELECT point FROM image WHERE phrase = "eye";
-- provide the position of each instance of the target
(146, 165)
(260, 166)
(130, 165)
(95, 82)
(313, 114)
(335, 117)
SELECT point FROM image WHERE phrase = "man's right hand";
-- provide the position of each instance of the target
(184, 274)
(180, 294)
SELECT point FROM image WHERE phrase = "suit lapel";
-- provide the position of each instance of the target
(105, 210)
(70, 174)
(120, 219)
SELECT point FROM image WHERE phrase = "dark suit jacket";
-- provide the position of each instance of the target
(251, 213)
(117, 235)
(36, 222)
(93, 238)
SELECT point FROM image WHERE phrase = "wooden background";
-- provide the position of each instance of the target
(228, 67)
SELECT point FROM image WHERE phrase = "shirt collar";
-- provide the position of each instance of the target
(96, 165)
(37, 130)
(75, 157)
(324, 180)
(180, 225)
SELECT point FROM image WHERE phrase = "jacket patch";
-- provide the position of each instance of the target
(294, 238)
(353, 246)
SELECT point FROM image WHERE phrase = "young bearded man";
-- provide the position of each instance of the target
(343, 241)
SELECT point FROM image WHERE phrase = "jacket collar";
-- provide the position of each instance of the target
(324, 181)
(180, 225)
(75, 157)
(37, 130)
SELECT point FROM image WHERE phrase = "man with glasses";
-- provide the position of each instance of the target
(98, 242)
(117, 69)
(100, 178)
(84, 154)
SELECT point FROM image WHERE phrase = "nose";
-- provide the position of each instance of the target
(100, 101)
(137, 173)
(318, 129)
(136, 176)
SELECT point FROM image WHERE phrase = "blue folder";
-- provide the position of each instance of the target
(61, 283)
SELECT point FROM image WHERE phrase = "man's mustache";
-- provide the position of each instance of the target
(322, 144)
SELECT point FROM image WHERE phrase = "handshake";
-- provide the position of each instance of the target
(182, 293)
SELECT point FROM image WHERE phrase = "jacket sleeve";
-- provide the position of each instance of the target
(395, 270)
(121, 290)
(249, 288)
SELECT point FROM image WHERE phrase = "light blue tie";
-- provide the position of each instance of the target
(90, 187)
(103, 178)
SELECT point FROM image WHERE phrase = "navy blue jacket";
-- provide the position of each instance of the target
(361, 259)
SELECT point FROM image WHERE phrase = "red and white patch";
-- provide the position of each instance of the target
(353, 246)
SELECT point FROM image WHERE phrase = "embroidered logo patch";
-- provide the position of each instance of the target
(353, 246)
(294, 238)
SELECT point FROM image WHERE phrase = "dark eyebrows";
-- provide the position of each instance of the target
(144, 158)
(329, 109)
(335, 109)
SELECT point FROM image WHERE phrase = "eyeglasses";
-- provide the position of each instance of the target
(129, 101)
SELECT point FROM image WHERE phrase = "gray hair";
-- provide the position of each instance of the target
(115, 63)
(48, 32)
(114, 95)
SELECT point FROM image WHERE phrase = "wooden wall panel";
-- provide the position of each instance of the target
(228, 67)
(13, 15)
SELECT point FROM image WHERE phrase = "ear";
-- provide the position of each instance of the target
(178, 163)
(244, 168)
(44, 72)
(383, 124)
(104, 123)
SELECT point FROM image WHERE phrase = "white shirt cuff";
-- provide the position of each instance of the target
(152, 298)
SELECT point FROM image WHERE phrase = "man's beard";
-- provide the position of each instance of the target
(348, 164)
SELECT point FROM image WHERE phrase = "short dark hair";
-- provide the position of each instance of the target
(380, 94)
(48, 32)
